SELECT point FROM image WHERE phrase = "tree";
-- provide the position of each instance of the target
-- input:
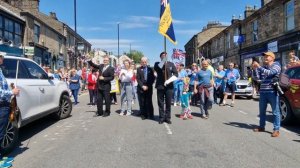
(135, 55)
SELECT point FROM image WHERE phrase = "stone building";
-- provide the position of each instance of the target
(273, 27)
(52, 41)
(192, 47)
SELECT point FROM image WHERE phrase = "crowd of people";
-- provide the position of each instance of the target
(182, 86)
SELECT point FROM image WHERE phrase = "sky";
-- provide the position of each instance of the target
(138, 21)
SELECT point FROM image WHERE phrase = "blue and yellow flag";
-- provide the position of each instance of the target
(165, 24)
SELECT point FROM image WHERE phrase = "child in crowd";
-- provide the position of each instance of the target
(185, 101)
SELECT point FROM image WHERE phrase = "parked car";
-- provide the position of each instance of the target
(244, 88)
(40, 95)
(290, 101)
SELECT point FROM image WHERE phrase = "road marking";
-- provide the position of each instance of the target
(168, 129)
(243, 112)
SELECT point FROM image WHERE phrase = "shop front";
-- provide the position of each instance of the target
(247, 56)
(10, 50)
(287, 43)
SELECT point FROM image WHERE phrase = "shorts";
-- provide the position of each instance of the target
(230, 88)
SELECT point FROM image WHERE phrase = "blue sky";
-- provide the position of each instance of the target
(97, 21)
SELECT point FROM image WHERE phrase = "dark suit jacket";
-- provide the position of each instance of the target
(160, 80)
(141, 80)
(108, 75)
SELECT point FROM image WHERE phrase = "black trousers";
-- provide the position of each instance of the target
(113, 97)
(103, 95)
(219, 93)
(93, 96)
(145, 103)
(164, 96)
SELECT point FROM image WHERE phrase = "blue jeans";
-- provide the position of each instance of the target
(75, 95)
(4, 114)
(273, 99)
(178, 92)
(126, 97)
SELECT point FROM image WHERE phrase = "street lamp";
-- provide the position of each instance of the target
(118, 41)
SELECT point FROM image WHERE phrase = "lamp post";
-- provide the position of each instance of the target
(118, 41)
(75, 26)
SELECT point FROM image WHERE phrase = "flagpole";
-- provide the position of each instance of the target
(165, 48)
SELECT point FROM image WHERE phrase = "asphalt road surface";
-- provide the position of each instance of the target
(224, 140)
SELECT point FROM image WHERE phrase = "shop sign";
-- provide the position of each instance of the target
(273, 46)
(29, 51)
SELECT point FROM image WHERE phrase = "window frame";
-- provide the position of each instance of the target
(255, 31)
(289, 15)
(37, 33)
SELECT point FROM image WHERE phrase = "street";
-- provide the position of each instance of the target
(225, 140)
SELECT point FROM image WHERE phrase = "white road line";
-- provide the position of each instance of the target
(243, 112)
(168, 129)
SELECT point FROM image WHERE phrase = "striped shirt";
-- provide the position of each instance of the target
(267, 74)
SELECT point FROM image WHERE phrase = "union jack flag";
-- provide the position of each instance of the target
(178, 54)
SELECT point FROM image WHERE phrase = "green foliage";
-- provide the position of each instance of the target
(135, 55)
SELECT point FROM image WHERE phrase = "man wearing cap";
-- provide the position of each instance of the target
(5, 95)
(268, 94)
(166, 74)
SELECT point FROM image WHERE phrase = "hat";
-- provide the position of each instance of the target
(269, 53)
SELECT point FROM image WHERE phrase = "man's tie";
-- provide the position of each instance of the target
(145, 73)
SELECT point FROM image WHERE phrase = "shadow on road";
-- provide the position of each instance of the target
(28, 131)
(244, 125)
(293, 127)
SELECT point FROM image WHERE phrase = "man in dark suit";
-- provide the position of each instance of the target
(106, 74)
(166, 74)
(145, 79)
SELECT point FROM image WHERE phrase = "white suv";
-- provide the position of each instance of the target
(40, 95)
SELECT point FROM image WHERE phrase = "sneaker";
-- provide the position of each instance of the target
(121, 114)
(232, 104)
(175, 104)
(185, 118)
(128, 113)
(275, 134)
(8, 159)
(190, 116)
(181, 116)
(4, 164)
(222, 104)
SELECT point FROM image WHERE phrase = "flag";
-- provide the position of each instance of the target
(165, 23)
(178, 54)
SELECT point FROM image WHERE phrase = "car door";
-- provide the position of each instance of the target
(28, 99)
(295, 87)
(45, 86)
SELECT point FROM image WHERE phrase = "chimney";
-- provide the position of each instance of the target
(264, 2)
(53, 15)
(234, 19)
(249, 11)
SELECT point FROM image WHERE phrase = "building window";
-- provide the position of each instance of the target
(1, 26)
(8, 29)
(60, 44)
(289, 15)
(228, 40)
(18, 34)
(255, 31)
(236, 36)
(37, 32)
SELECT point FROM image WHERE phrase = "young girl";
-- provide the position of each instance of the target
(185, 101)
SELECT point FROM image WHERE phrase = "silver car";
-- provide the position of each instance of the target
(244, 88)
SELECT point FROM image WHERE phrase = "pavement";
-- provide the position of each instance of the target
(224, 140)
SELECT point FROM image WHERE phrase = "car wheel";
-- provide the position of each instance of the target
(65, 108)
(286, 113)
(11, 137)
